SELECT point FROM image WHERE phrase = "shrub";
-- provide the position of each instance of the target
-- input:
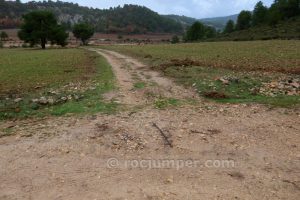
(175, 39)
(3, 36)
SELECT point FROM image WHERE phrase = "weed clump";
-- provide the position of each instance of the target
(215, 95)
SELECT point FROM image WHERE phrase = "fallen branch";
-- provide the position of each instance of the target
(165, 137)
(293, 183)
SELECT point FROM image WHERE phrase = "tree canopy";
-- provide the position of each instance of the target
(39, 27)
(83, 32)
(283, 9)
(195, 32)
(199, 31)
(175, 39)
(3, 35)
(244, 20)
(229, 28)
(259, 14)
(210, 32)
(280, 10)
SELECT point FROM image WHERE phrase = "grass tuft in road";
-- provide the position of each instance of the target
(139, 85)
(163, 103)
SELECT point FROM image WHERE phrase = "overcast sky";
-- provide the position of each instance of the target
(190, 8)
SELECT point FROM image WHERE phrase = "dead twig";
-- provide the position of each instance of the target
(293, 183)
(165, 137)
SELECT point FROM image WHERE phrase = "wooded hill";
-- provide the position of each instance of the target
(218, 23)
(288, 29)
(279, 21)
(127, 19)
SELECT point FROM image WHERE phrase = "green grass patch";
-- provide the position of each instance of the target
(139, 85)
(6, 132)
(239, 90)
(163, 103)
(83, 86)
(93, 102)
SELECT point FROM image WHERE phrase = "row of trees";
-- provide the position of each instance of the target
(41, 27)
(279, 10)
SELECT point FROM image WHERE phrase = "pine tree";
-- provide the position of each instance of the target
(229, 28)
(259, 14)
(195, 32)
(244, 20)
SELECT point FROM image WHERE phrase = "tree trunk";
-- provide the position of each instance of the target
(43, 43)
(83, 42)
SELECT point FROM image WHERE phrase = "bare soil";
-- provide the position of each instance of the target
(86, 157)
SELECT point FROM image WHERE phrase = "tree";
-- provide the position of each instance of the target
(39, 27)
(282, 10)
(83, 32)
(59, 36)
(259, 14)
(3, 36)
(287, 8)
(244, 20)
(175, 39)
(195, 32)
(210, 32)
(275, 13)
(229, 28)
(292, 8)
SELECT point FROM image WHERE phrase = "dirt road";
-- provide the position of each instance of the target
(198, 150)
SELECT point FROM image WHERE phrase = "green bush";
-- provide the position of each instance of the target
(175, 39)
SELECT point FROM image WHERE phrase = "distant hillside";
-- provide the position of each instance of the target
(218, 22)
(127, 19)
(187, 21)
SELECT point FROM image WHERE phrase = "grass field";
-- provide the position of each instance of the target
(23, 70)
(249, 64)
(54, 81)
(282, 56)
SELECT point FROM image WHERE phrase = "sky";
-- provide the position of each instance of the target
(191, 8)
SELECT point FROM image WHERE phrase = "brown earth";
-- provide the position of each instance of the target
(120, 156)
